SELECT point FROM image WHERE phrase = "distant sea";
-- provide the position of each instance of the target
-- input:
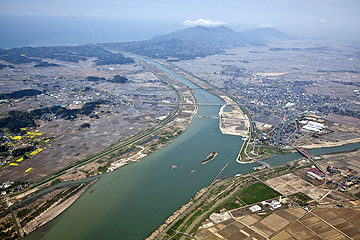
(35, 31)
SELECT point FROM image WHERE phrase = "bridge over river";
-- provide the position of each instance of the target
(203, 116)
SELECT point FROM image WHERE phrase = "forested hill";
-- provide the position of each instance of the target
(188, 43)
(195, 42)
(62, 53)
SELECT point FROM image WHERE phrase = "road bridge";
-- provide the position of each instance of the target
(203, 116)
(209, 104)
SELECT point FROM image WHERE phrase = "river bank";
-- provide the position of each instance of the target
(56, 209)
(332, 144)
(175, 127)
(40, 210)
(135, 189)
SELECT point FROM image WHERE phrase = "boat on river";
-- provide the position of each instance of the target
(92, 190)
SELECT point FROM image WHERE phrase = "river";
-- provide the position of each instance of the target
(134, 200)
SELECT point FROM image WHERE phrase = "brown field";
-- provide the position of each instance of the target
(237, 236)
(350, 121)
(275, 222)
(298, 212)
(239, 212)
(203, 234)
(316, 193)
(248, 220)
(228, 231)
(212, 237)
(292, 223)
(333, 235)
(283, 236)
(247, 231)
(335, 197)
(300, 232)
(325, 214)
(315, 224)
(262, 229)
(289, 184)
(349, 214)
(285, 214)
(355, 162)
(345, 220)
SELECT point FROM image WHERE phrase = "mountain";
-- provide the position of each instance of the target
(267, 33)
(188, 43)
(216, 37)
(163, 49)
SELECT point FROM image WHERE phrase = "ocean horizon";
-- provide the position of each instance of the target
(37, 31)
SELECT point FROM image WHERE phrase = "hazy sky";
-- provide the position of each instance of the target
(297, 17)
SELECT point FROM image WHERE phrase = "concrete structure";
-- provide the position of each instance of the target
(219, 217)
(274, 203)
(255, 208)
(314, 126)
(313, 175)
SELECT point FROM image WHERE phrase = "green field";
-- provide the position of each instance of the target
(301, 198)
(256, 193)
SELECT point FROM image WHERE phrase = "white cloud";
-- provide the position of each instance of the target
(266, 25)
(323, 20)
(203, 22)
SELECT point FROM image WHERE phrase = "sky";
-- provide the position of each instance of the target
(143, 19)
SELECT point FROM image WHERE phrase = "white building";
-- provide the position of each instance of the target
(255, 208)
(314, 126)
(274, 203)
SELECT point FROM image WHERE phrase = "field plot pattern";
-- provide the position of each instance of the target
(253, 226)
(293, 223)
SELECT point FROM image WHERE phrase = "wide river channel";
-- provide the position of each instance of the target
(134, 200)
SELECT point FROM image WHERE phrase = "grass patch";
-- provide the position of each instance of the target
(301, 198)
(231, 206)
(257, 192)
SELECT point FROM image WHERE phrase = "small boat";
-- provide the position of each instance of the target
(193, 171)
(92, 190)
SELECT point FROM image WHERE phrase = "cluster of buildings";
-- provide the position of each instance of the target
(277, 97)
(273, 205)
(313, 126)
(351, 180)
(315, 173)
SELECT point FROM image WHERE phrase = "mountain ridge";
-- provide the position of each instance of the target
(195, 42)
(182, 44)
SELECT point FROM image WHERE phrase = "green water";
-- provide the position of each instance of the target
(134, 200)
(228, 109)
